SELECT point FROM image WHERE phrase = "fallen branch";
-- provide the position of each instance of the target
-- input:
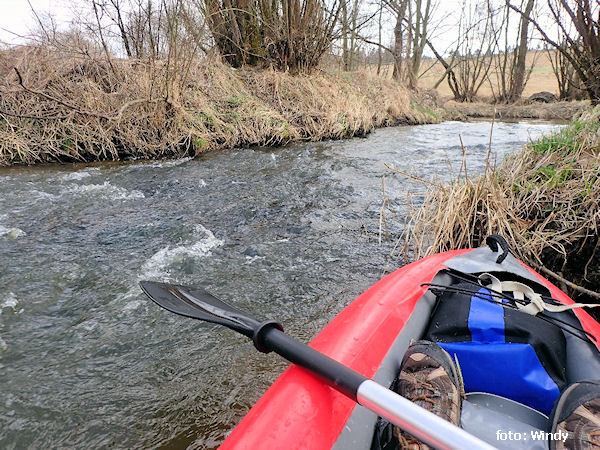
(570, 283)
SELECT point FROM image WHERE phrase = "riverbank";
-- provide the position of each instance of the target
(525, 110)
(58, 108)
(544, 200)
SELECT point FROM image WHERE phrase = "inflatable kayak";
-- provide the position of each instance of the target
(300, 411)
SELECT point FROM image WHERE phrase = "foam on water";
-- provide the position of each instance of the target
(176, 162)
(42, 195)
(9, 301)
(133, 304)
(88, 325)
(79, 175)
(251, 259)
(10, 232)
(105, 190)
(158, 266)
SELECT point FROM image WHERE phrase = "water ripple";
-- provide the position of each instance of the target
(88, 361)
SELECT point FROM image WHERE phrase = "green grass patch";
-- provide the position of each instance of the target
(344, 123)
(235, 101)
(199, 143)
(565, 140)
(553, 176)
(67, 146)
(208, 119)
(424, 110)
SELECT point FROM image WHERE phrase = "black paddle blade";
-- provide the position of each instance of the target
(199, 304)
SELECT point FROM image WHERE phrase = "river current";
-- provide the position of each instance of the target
(87, 361)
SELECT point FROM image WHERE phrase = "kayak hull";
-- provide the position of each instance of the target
(300, 411)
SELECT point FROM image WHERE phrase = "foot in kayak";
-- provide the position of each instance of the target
(576, 418)
(429, 377)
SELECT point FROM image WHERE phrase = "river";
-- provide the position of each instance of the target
(87, 361)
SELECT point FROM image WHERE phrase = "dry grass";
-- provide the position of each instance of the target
(546, 111)
(72, 109)
(545, 201)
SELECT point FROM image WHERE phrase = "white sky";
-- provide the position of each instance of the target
(16, 18)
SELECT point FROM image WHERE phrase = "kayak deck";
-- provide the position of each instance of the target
(371, 336)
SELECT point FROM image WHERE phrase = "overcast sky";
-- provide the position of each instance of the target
(16, 18)
(16, 15)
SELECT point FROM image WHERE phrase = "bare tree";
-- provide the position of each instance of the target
(349, 29)
(473, 52)
(518, 73)
(399, 10)
(510, 56)
(286, 34)
(583, 44)
(411, 18)
(112, 10)
(566, 79)
(379, 36)
(422, 16)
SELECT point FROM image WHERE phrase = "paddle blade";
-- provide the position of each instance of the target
(199, 304)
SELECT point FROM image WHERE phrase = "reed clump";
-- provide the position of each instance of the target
(57, 107)
(545, 200)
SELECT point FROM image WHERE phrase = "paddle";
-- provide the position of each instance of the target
(269, 336)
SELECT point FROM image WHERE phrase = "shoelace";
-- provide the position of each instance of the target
(594, 438)
(419, 384)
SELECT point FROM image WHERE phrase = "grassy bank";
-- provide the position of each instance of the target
(545, 200)
(56, 107)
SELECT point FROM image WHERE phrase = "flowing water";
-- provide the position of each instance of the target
(87, 361)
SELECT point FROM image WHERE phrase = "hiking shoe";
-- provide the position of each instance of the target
(576, 418)
(429, 377)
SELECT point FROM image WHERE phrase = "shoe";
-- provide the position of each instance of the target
(576, 418)
(430, 378)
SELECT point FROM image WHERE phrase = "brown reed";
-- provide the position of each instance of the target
(56, 107)
(545, 200)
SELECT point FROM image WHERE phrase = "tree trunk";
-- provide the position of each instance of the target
(518, 80)
(398, 40)
(345, 30)
(379, 49)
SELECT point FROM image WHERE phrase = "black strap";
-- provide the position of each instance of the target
(495, 240)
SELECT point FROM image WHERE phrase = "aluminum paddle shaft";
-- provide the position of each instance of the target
(410, 417)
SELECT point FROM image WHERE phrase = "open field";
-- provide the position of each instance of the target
(542, 78)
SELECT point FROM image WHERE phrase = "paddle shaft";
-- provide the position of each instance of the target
(410, 417)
